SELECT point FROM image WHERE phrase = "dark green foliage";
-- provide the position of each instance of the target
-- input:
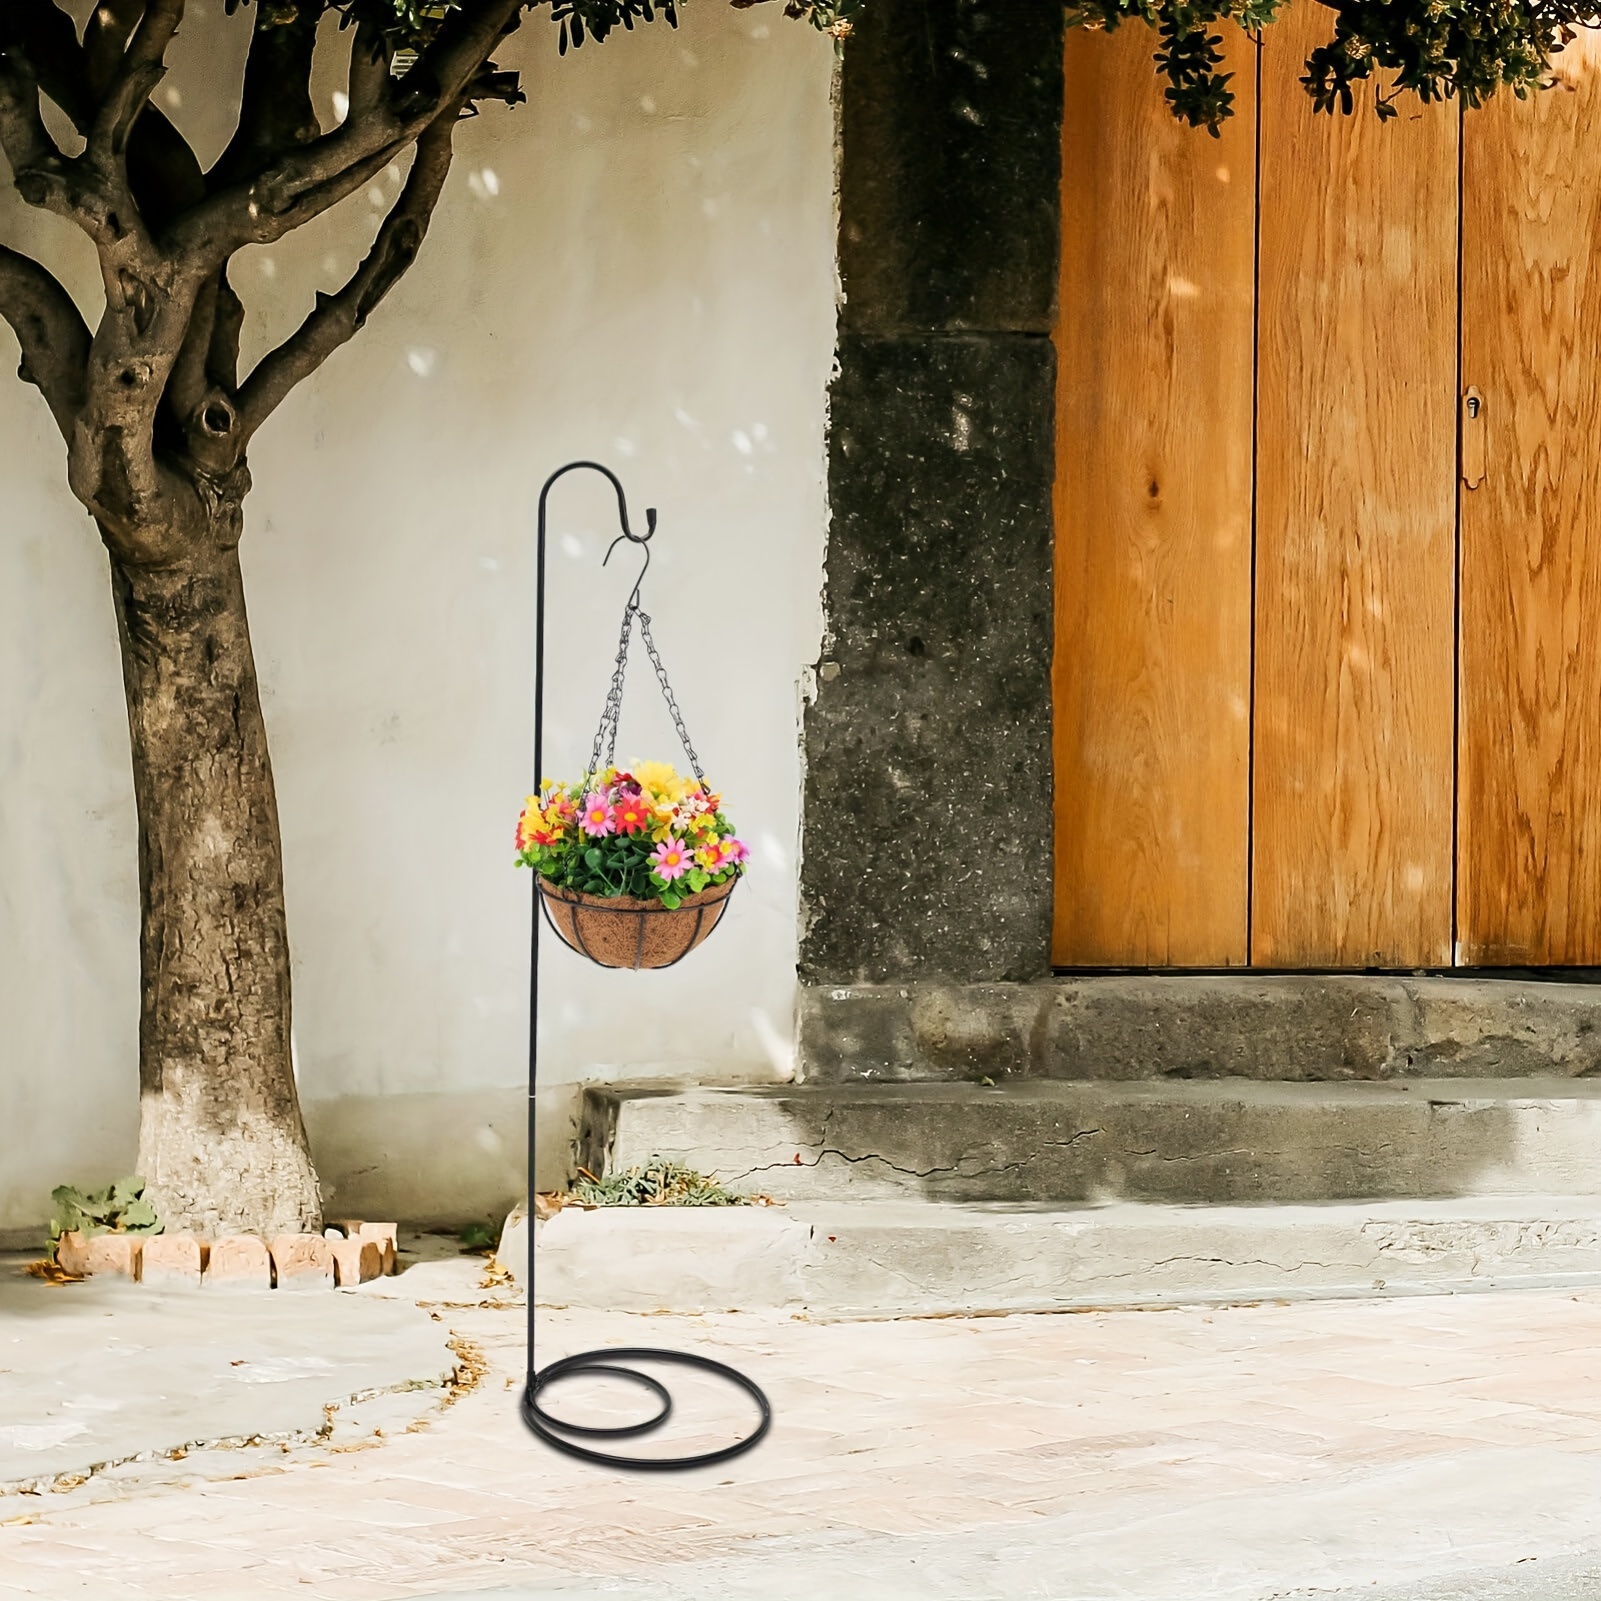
(1432, 48)
(411, 25)
(120, 1208)
(658, 1183)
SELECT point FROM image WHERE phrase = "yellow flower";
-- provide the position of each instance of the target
(660, 781)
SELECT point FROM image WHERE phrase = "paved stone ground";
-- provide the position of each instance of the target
(1444, 1449)
(97, 1373)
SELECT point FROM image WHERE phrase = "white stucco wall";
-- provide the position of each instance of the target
(637, 266)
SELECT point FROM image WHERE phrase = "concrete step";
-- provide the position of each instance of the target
(1222, 1142)
(919, 1258)
(1239, 1025)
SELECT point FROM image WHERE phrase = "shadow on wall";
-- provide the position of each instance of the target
(438, 1160)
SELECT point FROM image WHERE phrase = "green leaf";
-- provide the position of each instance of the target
(672, 900)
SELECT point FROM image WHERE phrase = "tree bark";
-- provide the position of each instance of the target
(221, 1142)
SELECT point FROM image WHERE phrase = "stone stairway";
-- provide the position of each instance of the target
(1120, 1142)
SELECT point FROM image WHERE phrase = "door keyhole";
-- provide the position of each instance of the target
(1473, 444)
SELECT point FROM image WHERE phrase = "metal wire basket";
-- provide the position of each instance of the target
(622, 931)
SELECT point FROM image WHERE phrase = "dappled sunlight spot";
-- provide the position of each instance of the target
(647, 104)
(773, 853)
(172, 97)
(485, 183)
(39, 1436)
(742, 442)
(341, 105)
(624, 447)
(375, 197)
(572, 546)
(421, 360)
(777, 1047)
(269, 267)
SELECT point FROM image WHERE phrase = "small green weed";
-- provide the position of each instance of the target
(479, 1237)
(120, 1208)
(657, 1183)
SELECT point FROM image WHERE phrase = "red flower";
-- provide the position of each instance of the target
(631, 814)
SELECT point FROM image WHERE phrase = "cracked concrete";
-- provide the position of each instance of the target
(908, 1258)
(102, 1372)
(1424, 1450)
(1237, 1141)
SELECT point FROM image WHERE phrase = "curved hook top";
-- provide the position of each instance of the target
(642, 540)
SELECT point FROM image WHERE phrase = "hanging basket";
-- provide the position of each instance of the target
(621, 931)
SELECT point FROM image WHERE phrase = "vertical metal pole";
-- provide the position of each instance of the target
(539, 778)
(533, 932)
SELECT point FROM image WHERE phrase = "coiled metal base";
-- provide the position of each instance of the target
(611, 1363)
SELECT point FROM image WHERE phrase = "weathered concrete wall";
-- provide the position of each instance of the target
(1320, 1027)
(928, 793)
(638, 265)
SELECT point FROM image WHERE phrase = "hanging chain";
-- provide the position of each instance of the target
(614, 700)
(670, 698)
(606, 735)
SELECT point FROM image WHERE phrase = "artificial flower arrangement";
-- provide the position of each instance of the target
(646, 833)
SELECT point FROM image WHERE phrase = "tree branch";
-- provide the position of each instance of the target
(275, 109)
(370, 62)
(51, 331)
(41, 174)
(143, 66)
(45, 39)
(307, 181)
(339, 316)
(105, 40)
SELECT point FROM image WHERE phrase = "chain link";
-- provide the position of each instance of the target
(614, 701)
(670, 698)
(606, 735)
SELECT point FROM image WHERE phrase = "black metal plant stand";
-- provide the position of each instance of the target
(612, 1362)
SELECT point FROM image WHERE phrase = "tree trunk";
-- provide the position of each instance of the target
(221, 1141)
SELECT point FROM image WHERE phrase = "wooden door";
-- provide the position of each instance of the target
(1153, 515)
(1353, 767)
(1529, 886)
(1328, 668)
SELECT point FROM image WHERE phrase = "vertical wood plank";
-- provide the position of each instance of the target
(1356, 525)
(1153, 500)
(1530, 804)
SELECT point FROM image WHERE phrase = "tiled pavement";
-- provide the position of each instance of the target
(1378, 1447)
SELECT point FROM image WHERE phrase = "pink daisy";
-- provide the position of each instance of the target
(670, 859)
(597, 817)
